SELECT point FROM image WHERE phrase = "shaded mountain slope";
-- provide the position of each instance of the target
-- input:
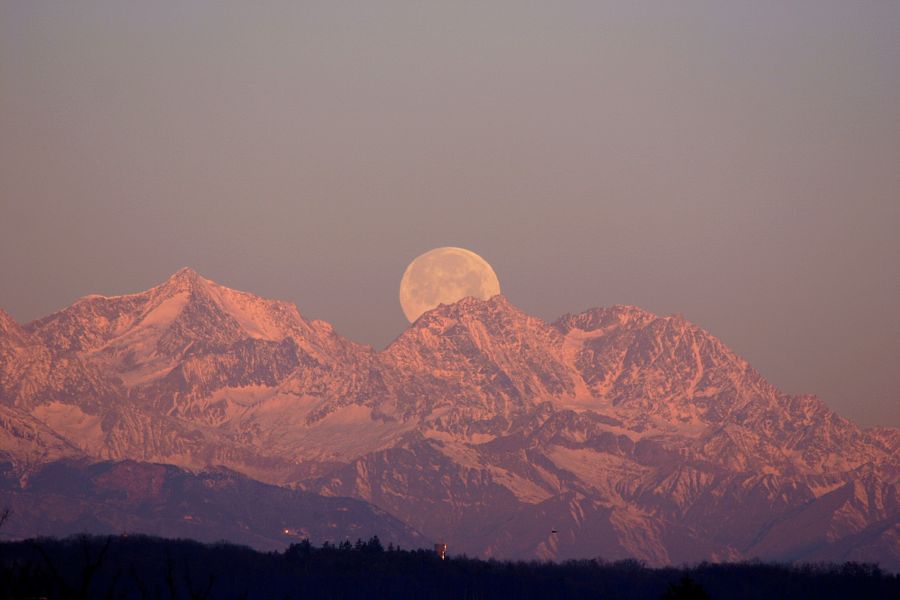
(66, 497)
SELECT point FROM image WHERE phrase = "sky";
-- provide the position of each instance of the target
(734, 162)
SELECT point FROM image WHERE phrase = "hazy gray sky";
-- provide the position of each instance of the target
(736, 162)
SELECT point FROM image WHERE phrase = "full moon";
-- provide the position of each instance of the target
(444, 276)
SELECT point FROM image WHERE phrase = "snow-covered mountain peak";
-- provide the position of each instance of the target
(485, 357)
(186, 307)
(468, 308)
(605, 317)
(185, 275)
(184, 280)
(483, 323)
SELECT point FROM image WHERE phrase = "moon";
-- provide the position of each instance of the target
(444, 276)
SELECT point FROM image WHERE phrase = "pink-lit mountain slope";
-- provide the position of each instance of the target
(628, 434)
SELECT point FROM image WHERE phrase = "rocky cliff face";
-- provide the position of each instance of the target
(613, 432)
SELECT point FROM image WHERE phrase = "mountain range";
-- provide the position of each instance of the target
(613, 432)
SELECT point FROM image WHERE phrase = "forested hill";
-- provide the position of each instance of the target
(145, 567)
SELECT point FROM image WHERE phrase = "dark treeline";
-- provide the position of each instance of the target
(144, 567)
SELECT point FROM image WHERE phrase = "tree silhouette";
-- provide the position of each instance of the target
(142, 567)
(686, 589)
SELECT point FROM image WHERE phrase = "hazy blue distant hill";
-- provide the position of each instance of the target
(64, 498)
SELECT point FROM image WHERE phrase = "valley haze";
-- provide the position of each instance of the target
(613, 432)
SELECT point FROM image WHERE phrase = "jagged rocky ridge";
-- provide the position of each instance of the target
(626, 433)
